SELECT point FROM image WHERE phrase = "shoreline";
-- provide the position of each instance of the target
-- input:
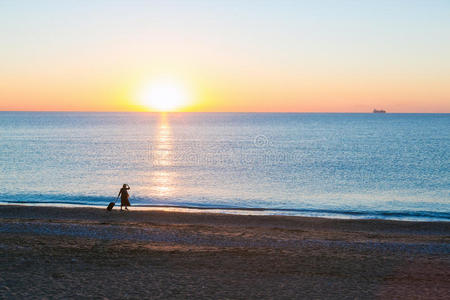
(418, 216)
(80, 252)
(99, 215)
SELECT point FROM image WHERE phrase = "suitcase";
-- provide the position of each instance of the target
(110, 206)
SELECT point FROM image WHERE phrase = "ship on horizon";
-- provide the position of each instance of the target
(379, 111)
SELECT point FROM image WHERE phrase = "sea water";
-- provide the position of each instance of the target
(392, 166)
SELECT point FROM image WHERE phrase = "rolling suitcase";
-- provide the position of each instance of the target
(111, 205)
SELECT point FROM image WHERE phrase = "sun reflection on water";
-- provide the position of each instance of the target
(162, 177)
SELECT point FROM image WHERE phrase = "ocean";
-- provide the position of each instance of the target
(389, 166)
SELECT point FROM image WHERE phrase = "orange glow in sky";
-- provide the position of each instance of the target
(278, 56)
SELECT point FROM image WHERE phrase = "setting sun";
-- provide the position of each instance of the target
(164, 95)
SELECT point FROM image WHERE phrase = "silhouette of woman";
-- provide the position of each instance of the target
(124, 196)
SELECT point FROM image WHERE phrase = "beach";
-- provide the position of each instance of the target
(265, 149)
(54, 252)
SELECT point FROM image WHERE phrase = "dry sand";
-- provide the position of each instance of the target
(49, 252)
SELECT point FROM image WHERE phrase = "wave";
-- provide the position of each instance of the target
(58, 199)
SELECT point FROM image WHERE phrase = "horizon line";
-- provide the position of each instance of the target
(225, 112)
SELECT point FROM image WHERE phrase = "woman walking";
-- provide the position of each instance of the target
(123, 193)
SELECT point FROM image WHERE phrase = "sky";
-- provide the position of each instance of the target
(234, 55)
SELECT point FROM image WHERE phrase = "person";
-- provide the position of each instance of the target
(123, 193)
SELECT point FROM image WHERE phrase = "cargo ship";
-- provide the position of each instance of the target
(379, 111)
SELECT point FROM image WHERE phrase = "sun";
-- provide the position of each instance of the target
(164, 95)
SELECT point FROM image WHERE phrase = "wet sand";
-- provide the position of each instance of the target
(49, 252)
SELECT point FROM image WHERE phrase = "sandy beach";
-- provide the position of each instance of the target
(50, 252)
